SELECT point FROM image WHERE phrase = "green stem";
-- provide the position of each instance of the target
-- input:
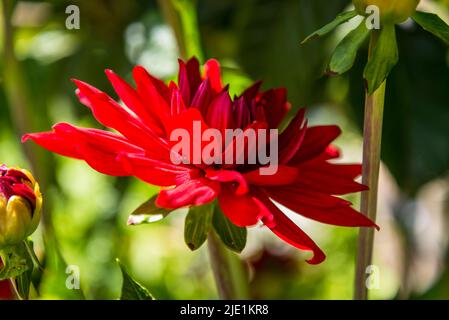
(182, 16)
(33, 255)
(372, 137)
(230, 276)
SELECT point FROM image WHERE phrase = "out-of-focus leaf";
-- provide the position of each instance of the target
(433, 23)
(55, 278)
(148, 212)
(384, 57)
(344, 55)
(268, 34)
(232, 236)
(131, 289)
(340, 19)
(197, 225)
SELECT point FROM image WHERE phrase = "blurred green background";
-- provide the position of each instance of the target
(86, 212)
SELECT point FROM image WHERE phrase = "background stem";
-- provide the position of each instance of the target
(372, 137)
(229, 274)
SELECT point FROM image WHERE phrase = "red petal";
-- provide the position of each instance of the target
(276, 106)
(203, 97)
(292, 137)
(54, 143)
(242, 114)
(212, 69)
(153, 171)
(319, 206)
(219, 113)
(229, 176)
(177, 105)
(97, 147)
(316, 141)
(112, 115)
(187, 120)
(285, 229)
(132, 100)
(284, 175)
(189, 78)
(194, 192)
(154, 94)
(327, 179)
(243, 210)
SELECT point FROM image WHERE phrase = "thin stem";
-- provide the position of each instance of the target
(372, 137)
(229, 274)
(33, 255)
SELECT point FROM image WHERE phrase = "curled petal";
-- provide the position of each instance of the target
(194, 192)
(229, 176)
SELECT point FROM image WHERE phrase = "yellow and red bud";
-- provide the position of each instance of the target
(391, 11)
(20, 205)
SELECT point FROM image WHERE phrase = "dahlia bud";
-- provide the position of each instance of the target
(391, 11)
(20, 205)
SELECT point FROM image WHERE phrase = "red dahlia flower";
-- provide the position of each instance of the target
(305, 182)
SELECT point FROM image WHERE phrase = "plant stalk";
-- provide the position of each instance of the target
(372, 137)
(230, 277)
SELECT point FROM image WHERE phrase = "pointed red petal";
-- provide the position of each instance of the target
(283, 176)
(131, 98)
(319, 206)
(288, 231)
(316, 141)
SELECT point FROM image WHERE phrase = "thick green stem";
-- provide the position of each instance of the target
(372, 137)
(230, 276)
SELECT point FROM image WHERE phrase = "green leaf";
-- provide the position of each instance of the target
(232, 236)
(197, 225)
(344, 55)
(384, 57)
(15, 261)
(148, 212)
(340, 19)
(432, 23)
(131, 289)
